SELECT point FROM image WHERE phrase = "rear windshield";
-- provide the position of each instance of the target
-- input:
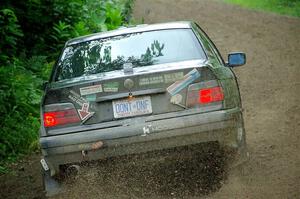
(138, 49)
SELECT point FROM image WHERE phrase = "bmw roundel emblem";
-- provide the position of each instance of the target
(128, 83)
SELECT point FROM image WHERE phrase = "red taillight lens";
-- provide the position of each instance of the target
(209, 95)
(63, 117)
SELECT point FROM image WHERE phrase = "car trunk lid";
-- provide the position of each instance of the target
(116, 95)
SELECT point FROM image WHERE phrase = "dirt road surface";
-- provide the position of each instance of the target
(270, 89)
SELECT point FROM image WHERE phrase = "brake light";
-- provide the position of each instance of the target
(56, 117)
(204, 94)
(209, 95)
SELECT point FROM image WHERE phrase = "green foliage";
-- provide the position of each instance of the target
(106, 15)
(80, 29)
(113, 17)
(60, 34)
(32, 33)
(285, 7)
(3, 169)
(19, 99)
(9, 34)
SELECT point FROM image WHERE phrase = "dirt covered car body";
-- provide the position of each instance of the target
(139, 89)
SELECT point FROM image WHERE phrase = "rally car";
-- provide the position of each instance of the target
(139, 89)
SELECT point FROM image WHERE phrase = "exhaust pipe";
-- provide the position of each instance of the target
(72, 170)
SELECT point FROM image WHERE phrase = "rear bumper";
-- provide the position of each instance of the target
(147, 134)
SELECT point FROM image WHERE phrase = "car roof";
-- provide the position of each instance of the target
(131, 29)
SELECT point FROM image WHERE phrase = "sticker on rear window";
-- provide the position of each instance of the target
(177, 86)
(91, 90)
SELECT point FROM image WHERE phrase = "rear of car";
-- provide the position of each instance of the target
(136, 90)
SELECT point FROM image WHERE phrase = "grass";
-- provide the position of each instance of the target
(283, 7)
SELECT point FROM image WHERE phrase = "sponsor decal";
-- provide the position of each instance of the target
(176, 99)
(91, 89)
(84, 112)
(91, 97)
(111, 87)
(173, 77)
(177, 86)
(151, 80)
(75, 97)
(166, 78)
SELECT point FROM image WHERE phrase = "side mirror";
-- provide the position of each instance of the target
(236, 59)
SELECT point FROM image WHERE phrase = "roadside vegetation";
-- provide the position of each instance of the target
(32, 34)
(284, 7)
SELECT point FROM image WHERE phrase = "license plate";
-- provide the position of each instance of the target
(132, 107)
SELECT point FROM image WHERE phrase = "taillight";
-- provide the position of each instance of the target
(205, 94)
(60, 114)
(209, 95)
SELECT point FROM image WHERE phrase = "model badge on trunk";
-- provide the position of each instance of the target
(128, 83)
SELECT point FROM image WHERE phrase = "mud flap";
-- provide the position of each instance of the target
(241, 153)
(51, 186)
(239, 157)
(243, 157)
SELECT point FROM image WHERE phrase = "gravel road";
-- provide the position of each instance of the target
(270, 90)
(269, 85)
